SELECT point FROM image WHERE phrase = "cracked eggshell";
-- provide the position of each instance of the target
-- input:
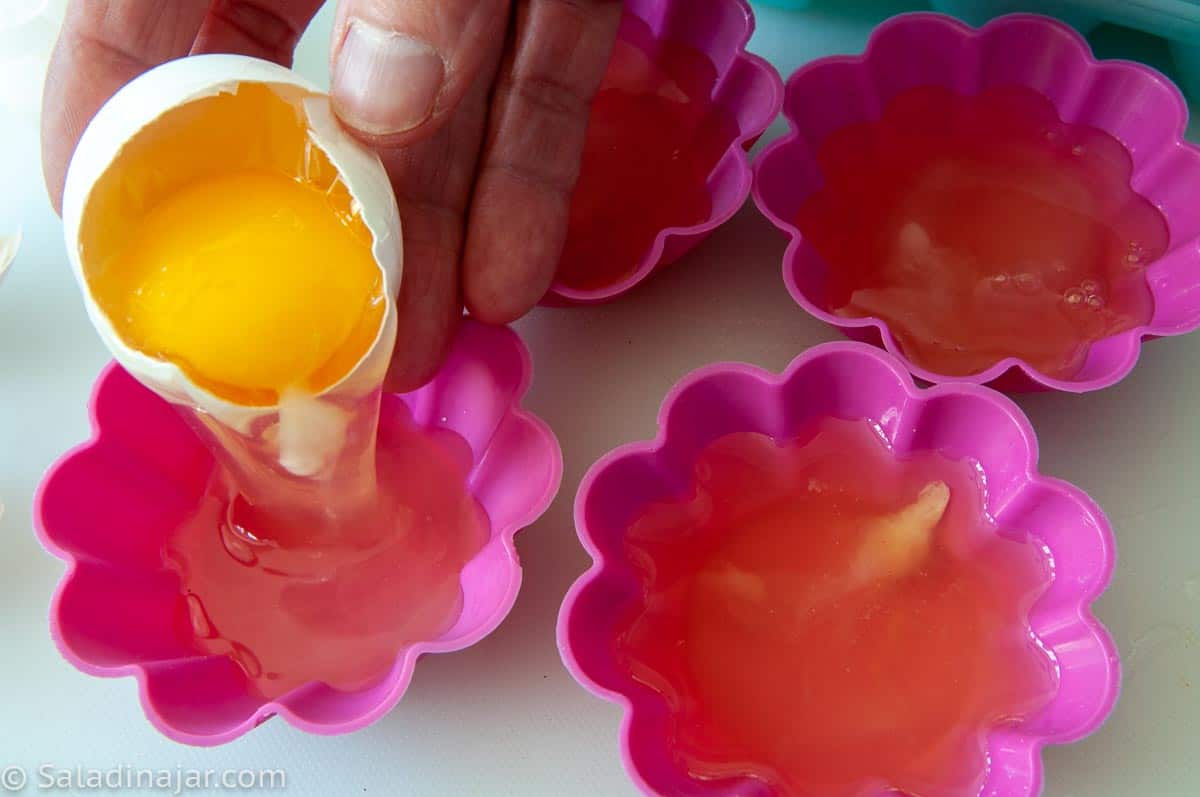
(139, 104)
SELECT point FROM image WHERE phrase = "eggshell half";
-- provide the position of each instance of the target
(175, 83)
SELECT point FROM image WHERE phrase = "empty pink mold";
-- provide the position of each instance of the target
(106, 506)
(852, 381)
(1134, 103)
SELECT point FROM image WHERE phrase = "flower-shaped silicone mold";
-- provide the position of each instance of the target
(106, 507)
(845, 380)
(1132, 102)
(747, 91)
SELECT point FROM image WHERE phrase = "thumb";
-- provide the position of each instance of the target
(400, 67)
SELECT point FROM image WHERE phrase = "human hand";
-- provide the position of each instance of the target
(478, 109)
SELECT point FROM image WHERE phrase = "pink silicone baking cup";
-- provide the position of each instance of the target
(748, 90)
(852, 381)
(106, 507)
(1134, 103)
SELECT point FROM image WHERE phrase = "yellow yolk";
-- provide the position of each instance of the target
(252, 282)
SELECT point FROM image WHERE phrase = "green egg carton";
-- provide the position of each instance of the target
(1177, 22)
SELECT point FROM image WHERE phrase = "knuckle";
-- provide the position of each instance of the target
(547, 94)
(555, 177)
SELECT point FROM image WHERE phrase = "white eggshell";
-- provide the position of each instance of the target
(176, 83)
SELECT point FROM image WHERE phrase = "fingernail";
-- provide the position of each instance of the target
(385, 82)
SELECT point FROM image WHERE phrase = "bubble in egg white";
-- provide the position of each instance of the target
(1028, 283)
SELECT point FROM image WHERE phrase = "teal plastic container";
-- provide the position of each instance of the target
(1175, 21)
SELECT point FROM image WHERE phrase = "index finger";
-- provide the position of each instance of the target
(103, 45)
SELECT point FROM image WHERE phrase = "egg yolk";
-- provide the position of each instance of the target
(251, 283)
(223, 239)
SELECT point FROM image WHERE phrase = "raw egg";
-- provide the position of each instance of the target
(238, 252)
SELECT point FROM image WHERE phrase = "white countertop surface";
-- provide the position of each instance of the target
(504, 718)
